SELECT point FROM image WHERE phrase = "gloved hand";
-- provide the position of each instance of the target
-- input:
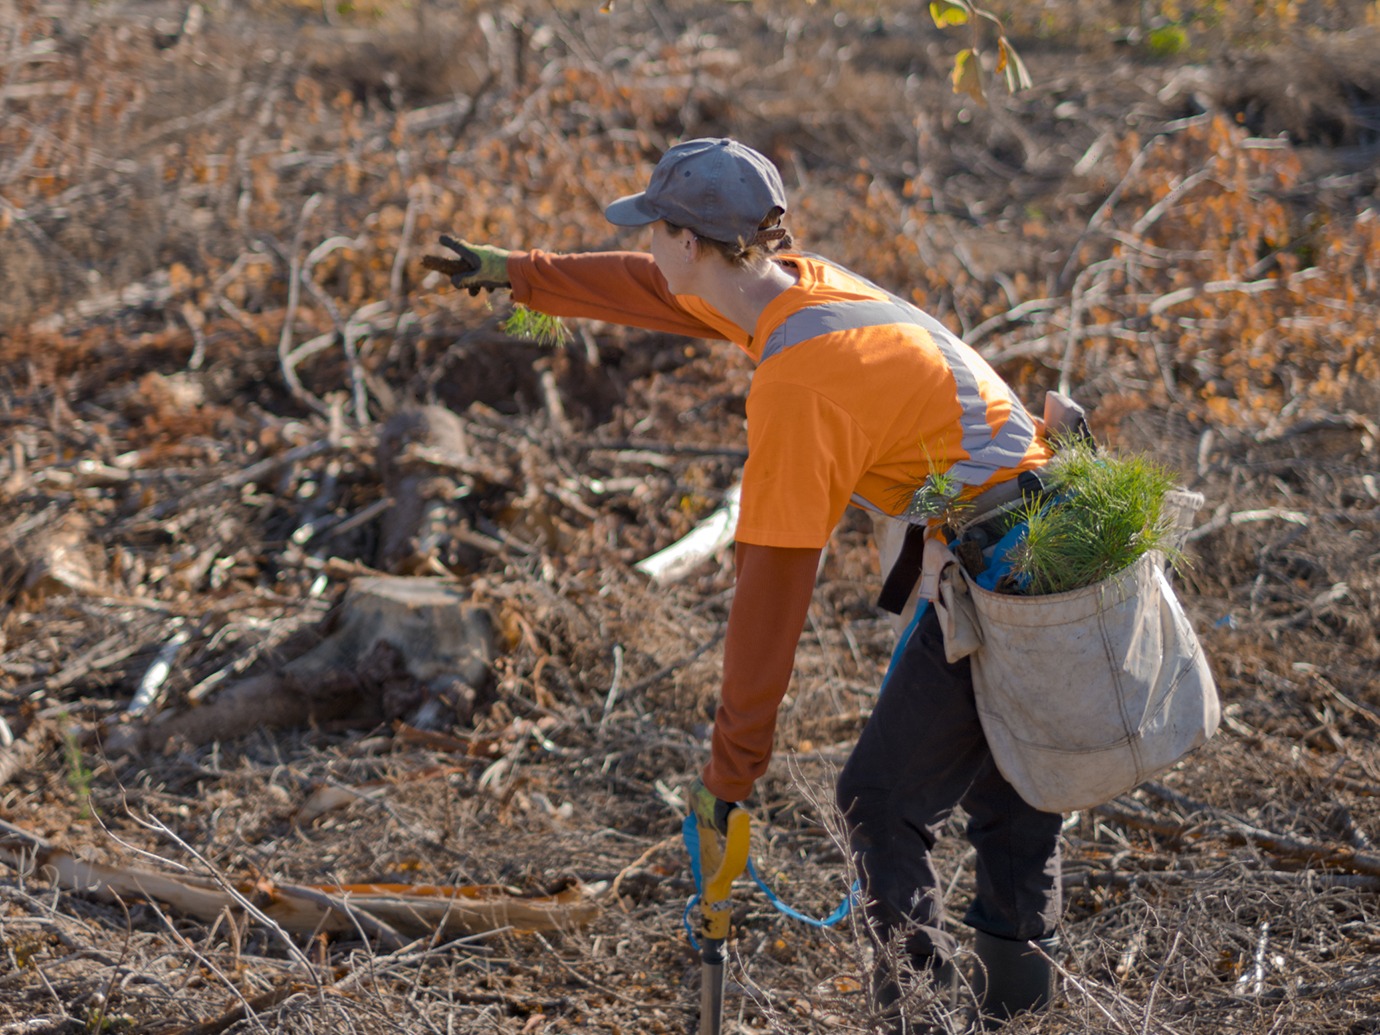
(479, 265)
(708, 809)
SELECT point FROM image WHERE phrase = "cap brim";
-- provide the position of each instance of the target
(634, 210)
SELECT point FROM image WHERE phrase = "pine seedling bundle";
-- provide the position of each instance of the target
(541, 328)
(1105, 514)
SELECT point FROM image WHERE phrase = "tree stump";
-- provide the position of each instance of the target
(398, 646)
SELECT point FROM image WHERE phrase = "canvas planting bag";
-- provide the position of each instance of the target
(1083, 695)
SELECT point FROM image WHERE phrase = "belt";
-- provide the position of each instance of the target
(905, 572)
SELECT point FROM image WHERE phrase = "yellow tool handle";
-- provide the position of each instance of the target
(730, 865)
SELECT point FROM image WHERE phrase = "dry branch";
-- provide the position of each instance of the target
(1223, 826)
(707, 538)
(1152, 879)
(150, 687)
(666, 670)
(294, 383)
(1242, 517)
(383, 909)
(233, 480)
(236, 1014)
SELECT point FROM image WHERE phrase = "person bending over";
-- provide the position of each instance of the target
(857, 396)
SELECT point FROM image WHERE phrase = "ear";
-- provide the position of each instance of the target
(693, 248)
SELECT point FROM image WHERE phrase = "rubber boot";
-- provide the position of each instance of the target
(1012, 976)
(942, 977)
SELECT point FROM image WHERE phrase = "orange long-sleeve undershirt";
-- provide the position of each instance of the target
(619, 287)
(769, 608)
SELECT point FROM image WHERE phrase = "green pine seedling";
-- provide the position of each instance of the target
(541, 328)
(936, 497)
(1107, 514)
(79, 777)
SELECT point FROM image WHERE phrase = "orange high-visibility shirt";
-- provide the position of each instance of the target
(858, 396)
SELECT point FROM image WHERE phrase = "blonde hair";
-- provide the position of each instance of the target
(771, 237)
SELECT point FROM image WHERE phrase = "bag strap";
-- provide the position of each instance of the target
(905, 573)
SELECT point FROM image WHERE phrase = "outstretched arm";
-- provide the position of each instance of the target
(620, 287)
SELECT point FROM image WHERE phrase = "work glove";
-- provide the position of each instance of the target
(479, 265)
(709, 810)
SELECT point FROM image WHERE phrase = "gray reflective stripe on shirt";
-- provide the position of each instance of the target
(863, 503)
(816, 320)
(988, 453)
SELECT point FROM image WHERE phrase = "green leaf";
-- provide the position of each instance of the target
(949, 12)
(1167, 41)
(968, 76)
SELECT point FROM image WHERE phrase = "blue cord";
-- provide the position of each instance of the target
(690, 834)
(844, 907)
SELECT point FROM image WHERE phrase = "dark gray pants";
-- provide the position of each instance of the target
(921, 753)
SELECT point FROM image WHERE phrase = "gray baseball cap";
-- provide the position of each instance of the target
(719, 188)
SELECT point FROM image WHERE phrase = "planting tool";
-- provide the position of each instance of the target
(721, 867)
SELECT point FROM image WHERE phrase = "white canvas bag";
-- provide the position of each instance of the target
(1082, 695)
